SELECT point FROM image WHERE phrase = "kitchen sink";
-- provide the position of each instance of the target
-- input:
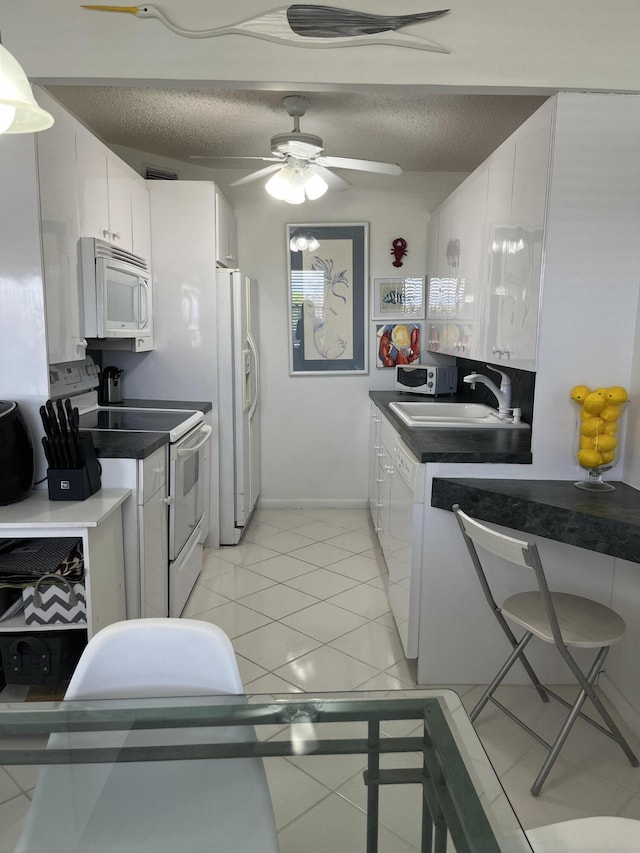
(454, 415)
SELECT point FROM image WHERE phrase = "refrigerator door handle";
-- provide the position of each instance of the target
(256, 372)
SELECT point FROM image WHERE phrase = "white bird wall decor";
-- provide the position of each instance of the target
(306, 25)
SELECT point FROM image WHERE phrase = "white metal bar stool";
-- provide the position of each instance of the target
(558, 618)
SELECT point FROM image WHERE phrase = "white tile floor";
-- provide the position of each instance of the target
(303, 599)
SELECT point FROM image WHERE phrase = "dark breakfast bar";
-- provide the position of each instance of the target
(606, 522)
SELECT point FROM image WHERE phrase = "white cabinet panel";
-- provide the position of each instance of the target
(518, 180)
(113, 200)
(455, 292)
(226, 234)
(119, 184)
(56, 150)
(154, 555)
(93, 193)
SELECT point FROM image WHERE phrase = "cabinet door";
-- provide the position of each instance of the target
(119, 184)
(375, 448)
(140, 217)
(56, 151)
(154, 556)
(93, 195)
(226, 233)
(528, 206)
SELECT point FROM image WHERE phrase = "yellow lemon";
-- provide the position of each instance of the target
(594, 402)
(604, 443)
(617, 394)
(586, 443)
(611, 428)
(583, 414)
(607, 457)
(592, 426)
(579, 393)
(589, 458)
(611, 412)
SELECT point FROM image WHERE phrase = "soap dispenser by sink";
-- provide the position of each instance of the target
(111, 386)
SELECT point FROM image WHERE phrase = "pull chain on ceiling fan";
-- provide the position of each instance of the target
(298, 167)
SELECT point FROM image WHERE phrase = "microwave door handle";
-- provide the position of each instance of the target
(205, 431)
(144, 304)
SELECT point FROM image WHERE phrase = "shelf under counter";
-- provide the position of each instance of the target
(97, 521)
(605, 522)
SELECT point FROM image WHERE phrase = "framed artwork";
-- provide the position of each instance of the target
(327, 274)
(397, 343)
(397, 298)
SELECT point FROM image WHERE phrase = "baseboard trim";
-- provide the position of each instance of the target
(624, 708)
(312, 503)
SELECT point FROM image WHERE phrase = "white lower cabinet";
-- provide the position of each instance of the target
(396, 489)
(146, 550)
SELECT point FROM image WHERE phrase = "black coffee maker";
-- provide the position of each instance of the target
(16, 455)
(111, 386)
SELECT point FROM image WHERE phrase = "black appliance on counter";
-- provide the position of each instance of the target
(111, 386)
(17, 460)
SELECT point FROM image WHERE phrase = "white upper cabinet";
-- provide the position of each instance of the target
(56, 152)
(455, 287)
(485, 253)
(226, 234)
(518, 179)
(113, 200)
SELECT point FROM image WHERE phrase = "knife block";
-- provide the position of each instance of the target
(76, 484)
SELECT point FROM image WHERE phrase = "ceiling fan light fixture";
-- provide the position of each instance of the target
(315, 185)
(19, 112)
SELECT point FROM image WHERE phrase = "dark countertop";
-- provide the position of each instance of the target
(606, 522)
(127, 445)
(511, 446)
(139, 445)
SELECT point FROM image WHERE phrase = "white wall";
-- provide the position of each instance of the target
(577, 43)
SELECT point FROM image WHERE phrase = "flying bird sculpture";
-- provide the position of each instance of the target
(303, 25)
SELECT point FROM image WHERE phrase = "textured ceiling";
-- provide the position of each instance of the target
(420, 132)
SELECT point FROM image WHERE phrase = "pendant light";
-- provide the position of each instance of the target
(19, 112)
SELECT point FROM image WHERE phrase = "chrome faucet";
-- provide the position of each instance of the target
(502, 394)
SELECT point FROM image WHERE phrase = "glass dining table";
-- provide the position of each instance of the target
(128, 774)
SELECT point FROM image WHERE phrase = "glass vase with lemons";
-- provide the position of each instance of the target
(599, 422)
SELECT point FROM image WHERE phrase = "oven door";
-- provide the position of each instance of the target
(187, 480)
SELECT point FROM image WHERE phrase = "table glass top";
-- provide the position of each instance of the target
(164, 773)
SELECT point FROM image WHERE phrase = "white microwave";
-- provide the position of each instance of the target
(426, 379)
(116, 287)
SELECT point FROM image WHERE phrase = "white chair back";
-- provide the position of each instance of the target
(143, 658)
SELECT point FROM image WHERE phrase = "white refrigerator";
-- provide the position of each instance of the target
(238, 396)
(189, 292)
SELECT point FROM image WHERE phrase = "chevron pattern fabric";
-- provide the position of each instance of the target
(56, 607)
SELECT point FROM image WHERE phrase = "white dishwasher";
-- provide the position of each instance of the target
(403, 553)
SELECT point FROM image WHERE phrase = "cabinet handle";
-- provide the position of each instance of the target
(158, 470)
(168, 501)
(83, 343)
(115, 235)
(106, 234)
(380, 480)
(387, 469)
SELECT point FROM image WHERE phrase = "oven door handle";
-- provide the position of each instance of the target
(206, 430)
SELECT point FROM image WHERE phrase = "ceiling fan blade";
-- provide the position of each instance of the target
(359, 165)
(220, 159)
(334, 182)
(254, 176)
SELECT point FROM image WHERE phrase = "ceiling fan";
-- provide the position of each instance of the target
(298, 167)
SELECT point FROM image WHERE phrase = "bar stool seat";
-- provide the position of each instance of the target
(558, 618)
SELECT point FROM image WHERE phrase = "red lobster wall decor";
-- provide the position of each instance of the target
(399, 250)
